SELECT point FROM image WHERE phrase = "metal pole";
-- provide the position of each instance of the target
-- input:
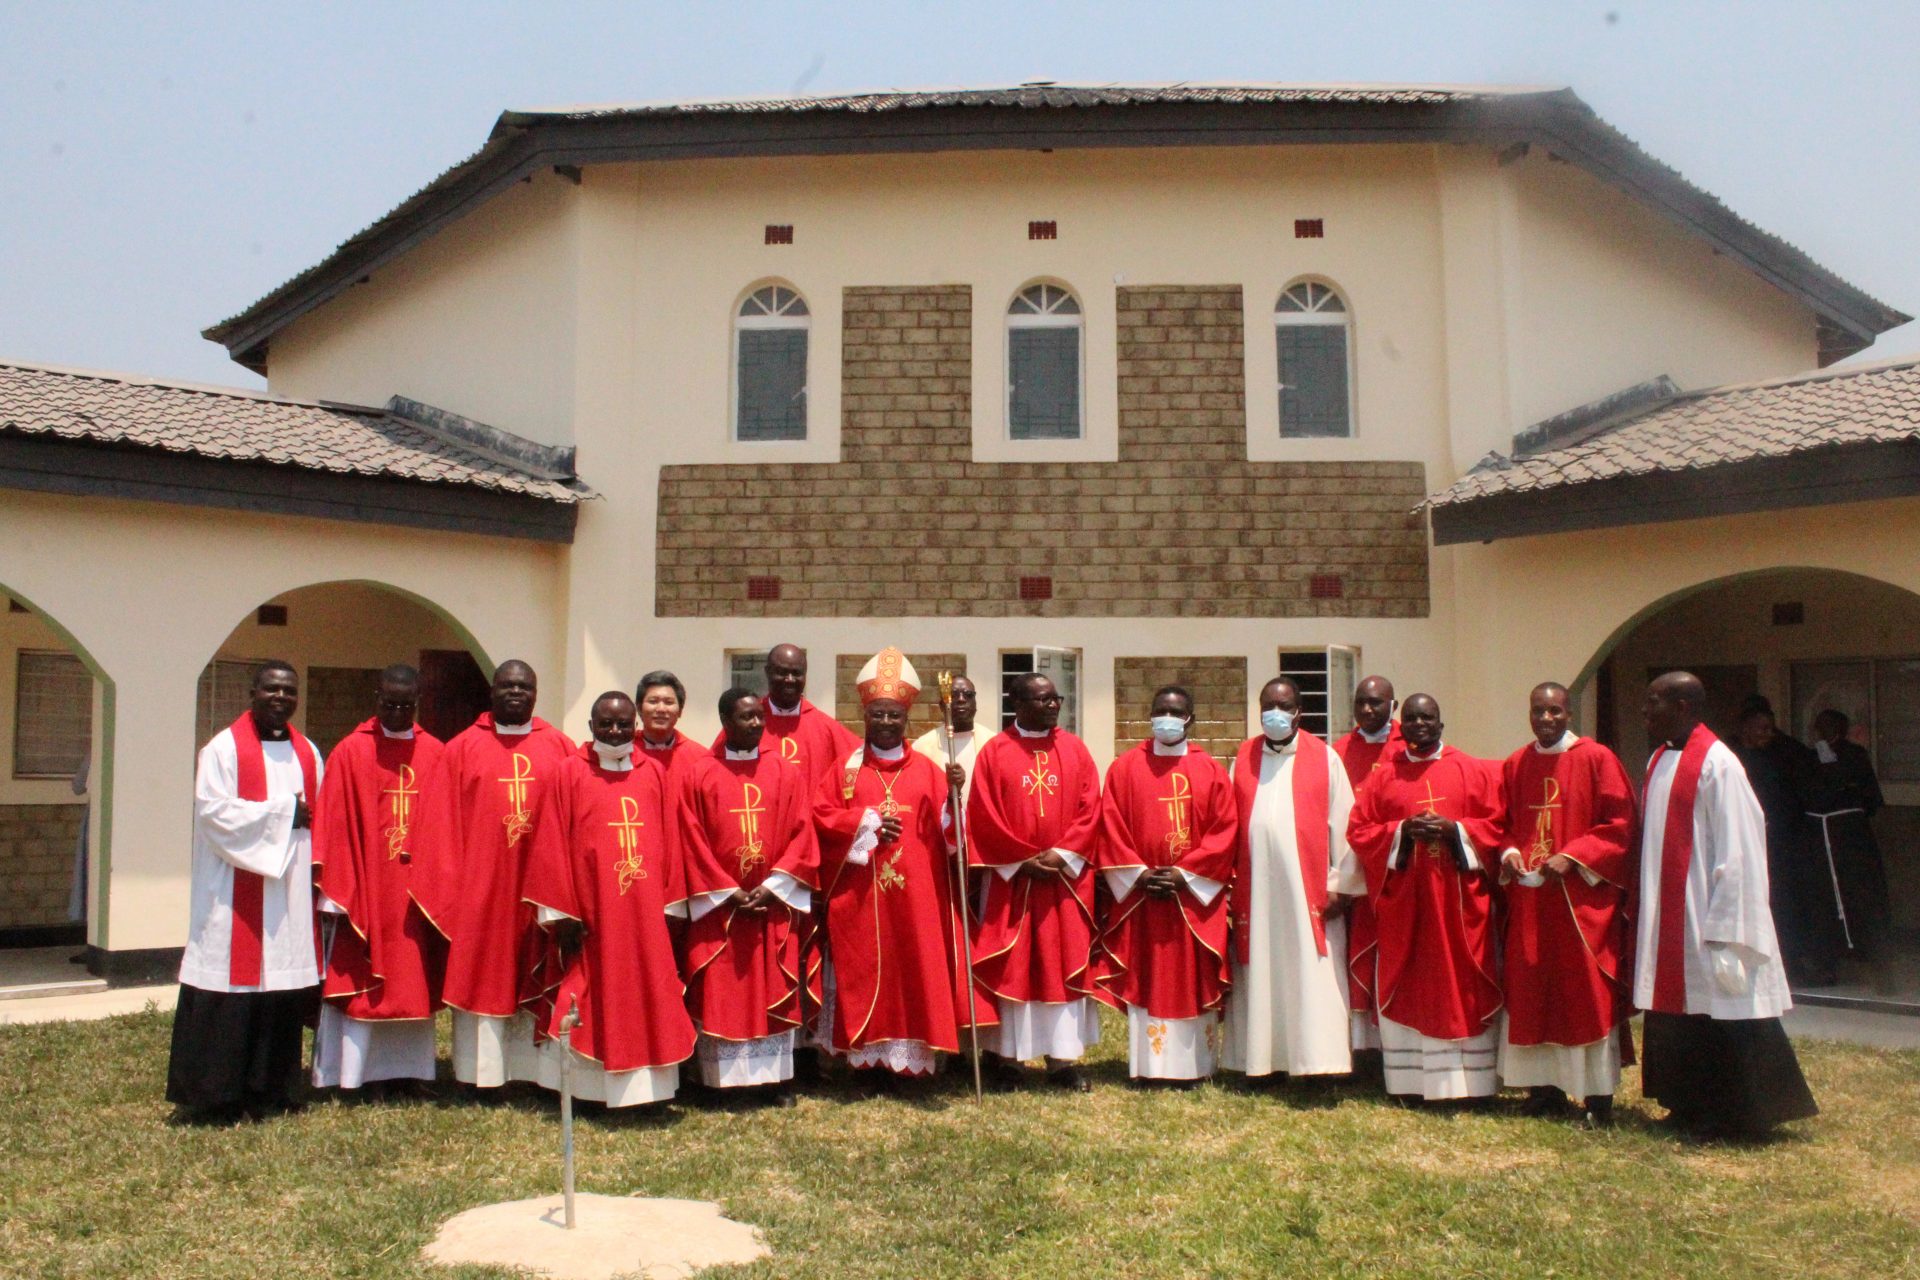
(565, 1041)
(960, 869)
(1833, 871)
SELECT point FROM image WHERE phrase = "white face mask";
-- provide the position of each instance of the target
(610, 755)
(1825, 751)
(1277, 724)
(1168, 730)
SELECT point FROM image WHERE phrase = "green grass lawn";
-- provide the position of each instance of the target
(94, 1181)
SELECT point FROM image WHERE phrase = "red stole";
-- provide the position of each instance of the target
(1312, 838)
(249, 887)
(1676, 857)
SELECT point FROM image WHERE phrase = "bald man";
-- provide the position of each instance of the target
(1708, 970)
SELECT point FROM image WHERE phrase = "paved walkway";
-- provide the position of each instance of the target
(85, 1008)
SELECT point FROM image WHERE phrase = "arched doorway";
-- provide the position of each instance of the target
(56, 726)
(1805, 640)
(338, 636)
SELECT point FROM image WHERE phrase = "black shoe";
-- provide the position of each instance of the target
(1543, 1100)
(784, 1098)
(1001, 1073)
(1069, 1077)
(1600, 1112)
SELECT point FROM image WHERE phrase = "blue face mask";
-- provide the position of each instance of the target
(1169, 729)
(1276, 724)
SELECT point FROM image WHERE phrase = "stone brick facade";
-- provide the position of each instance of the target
(1219, 689)
(926, 712)
(36, 862)
(1182, 525)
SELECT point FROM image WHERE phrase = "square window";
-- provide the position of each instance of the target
(52, 714)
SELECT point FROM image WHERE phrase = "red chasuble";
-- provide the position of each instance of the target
(1566, 940)
(604, 853)
(811, 740)
(675, 760)
(892, 924)
(475, 831)
(1361, 758)
(738, 822)
(388, 963)
(1035, 936)
(1167, 955)
(1436, 928)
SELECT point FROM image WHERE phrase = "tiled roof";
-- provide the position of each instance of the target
(1700, 430)
(524, 142)
(241, 426)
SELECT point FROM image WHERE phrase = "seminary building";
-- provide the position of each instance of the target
(1129, 384)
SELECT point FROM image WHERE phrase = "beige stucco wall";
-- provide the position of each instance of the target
(1551, 608)
(150, 592)
(478, 319)
(1484, 296)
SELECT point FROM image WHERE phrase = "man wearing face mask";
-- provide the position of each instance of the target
(475, 826)
(1296, 877)
(1372, 739)
(1567, 867)
(382, 980)
(604, 874)
(1032, 821)
(1167, 823)
(1427, 828)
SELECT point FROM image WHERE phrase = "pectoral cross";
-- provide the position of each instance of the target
(1179, 802)
(626, 833)
(1433, 802)
(1542, 847)
(518, 821)
(1039, 783)
(749, 812)
(402, 813)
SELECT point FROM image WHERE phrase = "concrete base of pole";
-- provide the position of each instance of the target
(615, 1236)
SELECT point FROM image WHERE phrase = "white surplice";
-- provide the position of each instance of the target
(966, 747)
(1733, 968)
(257, 836)
(1288, 1010)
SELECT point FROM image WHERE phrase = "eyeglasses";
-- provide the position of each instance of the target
(1051, 700)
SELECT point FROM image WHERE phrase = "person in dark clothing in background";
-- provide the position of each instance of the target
(1779, 769)
(1842, 796)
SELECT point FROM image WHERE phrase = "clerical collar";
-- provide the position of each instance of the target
(1438, 747)
(1567, 738)
(1169, 749)
(788, 712)
(1029, 733)
(651, 745)
(886, 753)
(388, 733)
(751, 753)
(513, 730)
(614, 759)
(1386, 731)
(1280, 748)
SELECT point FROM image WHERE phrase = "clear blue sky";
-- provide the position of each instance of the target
(164, 165)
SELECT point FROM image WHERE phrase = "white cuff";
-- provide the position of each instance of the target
(1075, 863)
(1730, 975)
(547, 915)
(700, 903)
(1120, 881)
(865, 839)
(327, 906)
(790, 891)
(1466, 847)
(1202, 888)
(1008, 871)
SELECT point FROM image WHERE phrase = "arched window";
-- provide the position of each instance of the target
(1043, 364)
(1313, 330)
(770, 366)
